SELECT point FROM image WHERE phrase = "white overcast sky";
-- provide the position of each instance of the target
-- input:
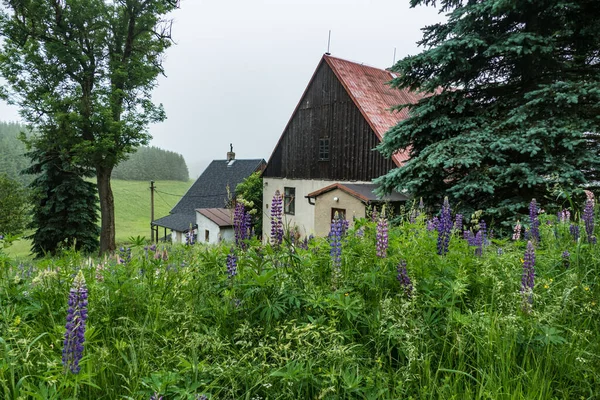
(239, 67)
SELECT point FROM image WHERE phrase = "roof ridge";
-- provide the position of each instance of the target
(357, 63)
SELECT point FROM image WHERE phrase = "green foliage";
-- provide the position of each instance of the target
(250, 190)
(152, 163)
(14, 206)
(65, 206)
(84, 70)
(13, 160)
(171, 321)
(514, 105)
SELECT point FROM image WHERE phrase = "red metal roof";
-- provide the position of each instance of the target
(368, 88)
(220, 216)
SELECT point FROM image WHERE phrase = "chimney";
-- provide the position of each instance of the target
(230, 153)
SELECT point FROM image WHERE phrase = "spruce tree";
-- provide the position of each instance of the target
(514, 104)
(65, 206)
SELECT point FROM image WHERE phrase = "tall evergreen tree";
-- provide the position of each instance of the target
(88, 66)
(65, 206)
(514, 104)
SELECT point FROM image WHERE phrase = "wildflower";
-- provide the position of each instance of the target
(231, 264)
(517, 231)
(564, 216)
(444, 228)
(421, 205)
(458, 222)
(156, 396)
(404, 279)
(534, 230)
(335, 243)
(190, 237)
(566, 259)
(276, 219)
(527, 279)
(588, 218)
(483, 230)
(574, 229)
(499, 251)
(201, 397)
(241, 225)
(75, 327)
(382, 237)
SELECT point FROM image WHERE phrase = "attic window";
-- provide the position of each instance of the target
(324, 149)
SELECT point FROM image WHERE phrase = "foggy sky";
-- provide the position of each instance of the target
(239, 67)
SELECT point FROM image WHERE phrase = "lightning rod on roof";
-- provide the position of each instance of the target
(394, 62)
(328, 42)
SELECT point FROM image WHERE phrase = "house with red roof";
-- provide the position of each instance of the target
(324, 161)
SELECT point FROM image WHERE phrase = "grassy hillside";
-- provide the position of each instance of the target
(132, 209)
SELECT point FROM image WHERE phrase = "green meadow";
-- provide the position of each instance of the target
(368, 313)
(132, 209)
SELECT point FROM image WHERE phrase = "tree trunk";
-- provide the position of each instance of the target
(107, 210)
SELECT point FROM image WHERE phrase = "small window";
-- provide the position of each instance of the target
(324, 149)
(206, 235)
(289, 200)
(341, 213)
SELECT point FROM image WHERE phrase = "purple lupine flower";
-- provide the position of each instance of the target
(335, 243)
(156, 396)
(412, 217)
(241, 225)
(534, 229)
(564, 216)
(404, 279)
(124, 255)
(201, 397)
(382, 237)
(478, 241)
(527, 279)
(458, 222)
(444, 228)
(499, 251)
(360, 232)
(483, 230)
(231, 263)
(421, 205)
(588, 219)
(433, 224)
(75, 327)
(517, 231)
(566, 257)
(574, 229)
(276, 219)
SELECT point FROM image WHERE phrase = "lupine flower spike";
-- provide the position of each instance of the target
(528, 277)
(231, 263)
(241, 225)
(444, 228)
(404, 279)
(276, 219)
(534, 230)
(335, 243)
(517, 231)
(588, 219)
(382, 237)
(75, 327)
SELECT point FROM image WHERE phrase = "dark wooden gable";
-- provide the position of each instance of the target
(327, 111)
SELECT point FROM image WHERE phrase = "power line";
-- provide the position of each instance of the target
(193, 196)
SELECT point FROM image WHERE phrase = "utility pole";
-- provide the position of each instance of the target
(152, 211)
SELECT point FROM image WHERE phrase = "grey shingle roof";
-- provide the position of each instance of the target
(209, 191)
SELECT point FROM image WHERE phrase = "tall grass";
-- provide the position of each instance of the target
(172, 322)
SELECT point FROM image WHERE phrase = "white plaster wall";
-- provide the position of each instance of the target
(177, 237)
(206, 224)
(304, 217)
(324, 203)
(215, 232)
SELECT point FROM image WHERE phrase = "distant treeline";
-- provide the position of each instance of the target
(152, 163)
(12, 152)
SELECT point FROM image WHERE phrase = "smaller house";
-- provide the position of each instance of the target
(350, 201)
(214, 225)
(213, 190)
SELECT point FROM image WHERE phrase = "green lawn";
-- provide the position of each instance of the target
(132, 209)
